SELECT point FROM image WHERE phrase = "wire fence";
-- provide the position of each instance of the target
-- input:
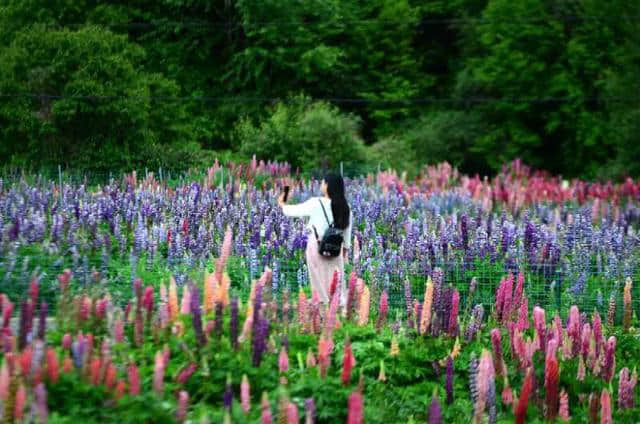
(551, 287)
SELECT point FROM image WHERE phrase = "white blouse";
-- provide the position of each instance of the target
(312, 209)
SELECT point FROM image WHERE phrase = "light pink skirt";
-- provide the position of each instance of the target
(321, 272)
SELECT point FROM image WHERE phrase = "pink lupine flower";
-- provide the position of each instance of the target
(453, 317)
(185, 307)
(563, 410)
(283, 361)
(626, 389)
(558, 331)
(118, 392)
(597, 332)
(118, 331)
(507, 307)
(355, 408)
(331, 314)
(41, 403)
(292, 413)
(5, 380)
(351, 293)
(183, 405)
(265, 414)
(605, 407)
(507, 395)
(348, 362)
(539, 321)
(573, 328)
(383, 309)
(586, 339)
(609, 367)
(302, 309)
(626, 300)
(225, 252)
(581, 370)
(517, 297)
(20, 401)
(158, 373)
(64, 279)
(324, 355)
(485, 376)
(311, 359)
(134, 380)
(245, 397)
(523, 317)
(496, 341)
(333, 288)
(499, 305)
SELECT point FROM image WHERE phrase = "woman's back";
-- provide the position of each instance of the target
(312, 209)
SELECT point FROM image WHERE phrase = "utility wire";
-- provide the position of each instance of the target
(341, 100)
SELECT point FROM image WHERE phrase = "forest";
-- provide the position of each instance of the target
(114, 85)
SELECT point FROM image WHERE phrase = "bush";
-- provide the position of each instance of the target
(304, 133)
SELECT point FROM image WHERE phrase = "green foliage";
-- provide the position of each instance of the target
(475, 82)
(304, 133)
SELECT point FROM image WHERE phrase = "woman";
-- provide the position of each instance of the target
(335, 205)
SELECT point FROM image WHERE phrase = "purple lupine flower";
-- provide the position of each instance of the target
(310, 411)
(233, 323)
(26, 320)
(473, 374)
(449, 380)
(42, 322)
(78, 350)
(491, 401)
(228, 394)
(196, 314)
(218, 319)
(259, 341)
(435, 411)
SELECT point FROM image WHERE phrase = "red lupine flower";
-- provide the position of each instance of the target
(110, 377)
(53, 367)
(25, 360)
(96, 365)
(33, 291)
(551, 386)
(134, 380)
(348, 362)
(119, 390)
(334, 284)
(21, 400)
(521, 409)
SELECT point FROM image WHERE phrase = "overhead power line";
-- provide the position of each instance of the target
(339, 100)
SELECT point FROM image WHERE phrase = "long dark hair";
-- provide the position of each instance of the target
(339, 205)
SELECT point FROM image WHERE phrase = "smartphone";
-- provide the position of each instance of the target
(286, 192)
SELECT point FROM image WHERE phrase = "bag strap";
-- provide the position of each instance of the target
(324, 212)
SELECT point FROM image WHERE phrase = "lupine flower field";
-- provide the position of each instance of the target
(510, 299)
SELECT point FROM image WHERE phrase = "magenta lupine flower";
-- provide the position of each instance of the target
(33, 291)
(499, 305)
(453, 317)
(134, 380)
(517, 297)
(507, 307)
(558, 331)
(384, 308)
(332, 313)
(265, 414)
(186, 373)
(449, 380)
(42, 321)
(118, 331)
(573, 329)
(183, 404)
(355, 408)
(496, 342)
(626, 389)
(435, 411)
(609, 367)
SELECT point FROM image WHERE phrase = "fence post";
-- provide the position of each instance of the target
(160, 173)
(222, 178)
(341, 169)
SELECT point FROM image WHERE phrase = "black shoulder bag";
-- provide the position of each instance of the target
(330, 245)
